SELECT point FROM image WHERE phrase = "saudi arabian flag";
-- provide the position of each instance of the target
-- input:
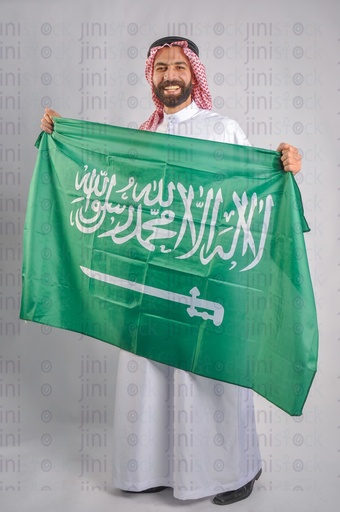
(184, 251)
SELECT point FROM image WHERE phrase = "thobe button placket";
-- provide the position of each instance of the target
(171, 127)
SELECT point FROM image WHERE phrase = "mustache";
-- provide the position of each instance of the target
(169, 83)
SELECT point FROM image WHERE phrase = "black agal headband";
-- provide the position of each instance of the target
(173, 39)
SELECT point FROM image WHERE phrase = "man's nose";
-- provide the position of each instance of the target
(170, 74)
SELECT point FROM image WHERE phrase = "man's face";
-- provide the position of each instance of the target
(172, 78)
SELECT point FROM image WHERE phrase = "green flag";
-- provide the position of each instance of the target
(184, 251)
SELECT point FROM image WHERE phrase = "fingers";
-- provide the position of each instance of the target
(47, 124)
(290, 158)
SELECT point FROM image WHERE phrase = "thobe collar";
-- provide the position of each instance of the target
(182, 115)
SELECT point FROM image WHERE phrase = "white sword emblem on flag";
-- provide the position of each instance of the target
(191, 300)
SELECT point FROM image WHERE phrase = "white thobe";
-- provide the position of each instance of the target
(173, 428)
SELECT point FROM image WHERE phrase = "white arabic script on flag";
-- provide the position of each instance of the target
(201, 211)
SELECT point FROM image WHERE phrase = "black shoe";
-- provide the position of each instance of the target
(152, 489)
(225, 498)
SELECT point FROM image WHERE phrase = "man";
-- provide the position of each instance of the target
(172, 428)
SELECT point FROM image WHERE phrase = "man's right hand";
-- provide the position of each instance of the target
(47, 124)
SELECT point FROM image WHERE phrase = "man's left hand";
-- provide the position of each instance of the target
(291, 157)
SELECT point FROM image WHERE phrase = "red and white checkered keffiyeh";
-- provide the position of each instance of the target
(200, 93)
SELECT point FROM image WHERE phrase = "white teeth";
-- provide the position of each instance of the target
(171, 88)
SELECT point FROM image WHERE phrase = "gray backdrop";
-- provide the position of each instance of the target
(272, 66)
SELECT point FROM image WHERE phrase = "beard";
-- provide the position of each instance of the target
(172, 100)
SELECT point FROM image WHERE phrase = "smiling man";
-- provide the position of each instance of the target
(172, 428)
(192, 434)
(172, 79)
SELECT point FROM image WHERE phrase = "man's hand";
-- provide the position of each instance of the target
(47, 124)
(291, 157)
